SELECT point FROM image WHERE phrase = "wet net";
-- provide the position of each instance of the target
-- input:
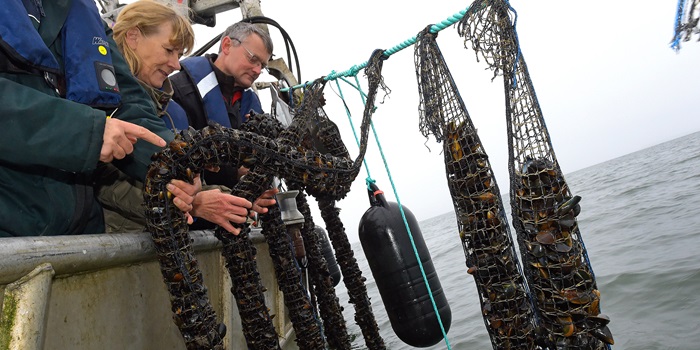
(554, 258)
(481, 220)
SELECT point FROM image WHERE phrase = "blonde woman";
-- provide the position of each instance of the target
(152, 38)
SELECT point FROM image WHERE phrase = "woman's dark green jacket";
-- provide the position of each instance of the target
(49, 146)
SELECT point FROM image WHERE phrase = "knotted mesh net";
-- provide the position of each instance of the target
(483, 228)
(544, 210)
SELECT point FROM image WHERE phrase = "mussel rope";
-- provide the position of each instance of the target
(370, 181)
(352, 71)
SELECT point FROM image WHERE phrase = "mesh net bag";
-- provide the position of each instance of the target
(483, 228)
(554, 258)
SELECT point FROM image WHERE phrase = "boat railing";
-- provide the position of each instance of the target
(106, 291)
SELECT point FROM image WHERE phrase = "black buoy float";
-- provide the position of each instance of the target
(328, 254)
(392, 259)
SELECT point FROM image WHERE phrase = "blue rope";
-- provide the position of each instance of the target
(680, 12)
(517, 45)
(352, 71)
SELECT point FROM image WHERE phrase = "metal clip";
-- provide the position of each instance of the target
(52, 81)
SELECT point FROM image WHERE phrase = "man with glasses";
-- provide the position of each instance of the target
(216, 88)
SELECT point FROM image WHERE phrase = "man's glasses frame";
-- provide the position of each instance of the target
(252, 58)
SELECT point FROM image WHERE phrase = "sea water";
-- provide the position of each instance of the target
(640, 222)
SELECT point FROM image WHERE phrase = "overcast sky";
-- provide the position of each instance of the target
(605, 76)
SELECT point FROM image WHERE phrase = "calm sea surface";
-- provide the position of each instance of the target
(640, 222)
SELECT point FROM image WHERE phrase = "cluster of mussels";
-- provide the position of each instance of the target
(190, 153)
(488, 246)
(306, 325)
(352, 275)
(544, 213)
(554, 259)
(301, 313)
(246, 286)
(321, 175)
(191, 309)
(324, 135)
(329, 307)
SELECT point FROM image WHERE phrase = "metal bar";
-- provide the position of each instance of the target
(73, 254)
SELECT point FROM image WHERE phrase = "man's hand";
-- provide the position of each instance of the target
(221, 209)
(184, 194)
(265, 200)
(119, 138)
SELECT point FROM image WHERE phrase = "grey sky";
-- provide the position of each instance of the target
(605, 77)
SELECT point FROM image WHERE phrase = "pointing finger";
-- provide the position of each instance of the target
(134, 131)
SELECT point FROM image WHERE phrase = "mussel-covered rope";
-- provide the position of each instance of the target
(190, 153)
(192, 312)
(544, 211)
(330, 310)
(301, 313)
(329, 140)
(306, 325)
(310, 116)
(240, 255)
(483, 228)
(246, 286)
(304, 321)
(352, 275)
(311, 112)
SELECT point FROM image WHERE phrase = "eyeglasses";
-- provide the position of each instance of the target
(252, 58)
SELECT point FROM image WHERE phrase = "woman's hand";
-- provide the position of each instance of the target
(119, 138)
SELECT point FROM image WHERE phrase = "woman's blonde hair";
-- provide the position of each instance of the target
(147, 16)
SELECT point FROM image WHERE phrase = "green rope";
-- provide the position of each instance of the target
(358, 88)
(406, 43)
